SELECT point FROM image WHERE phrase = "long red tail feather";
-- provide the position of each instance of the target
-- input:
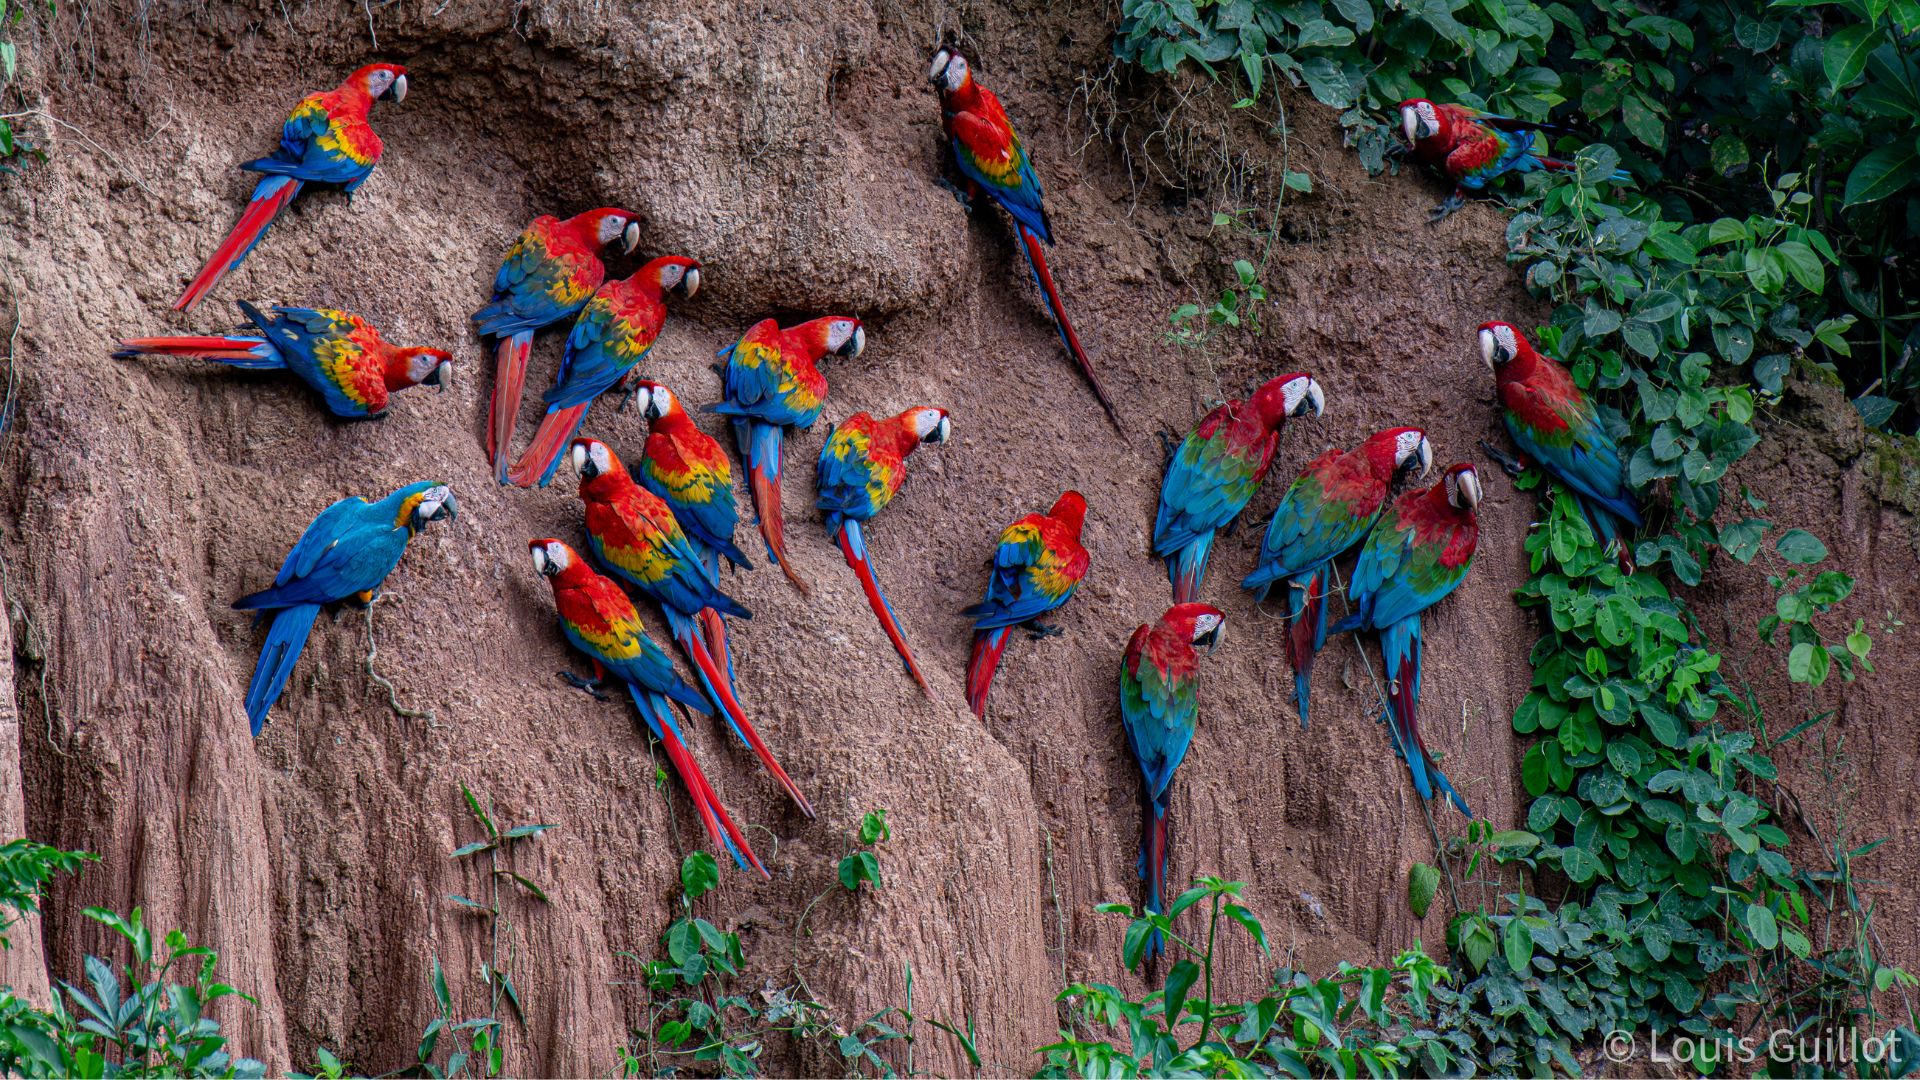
(765, 486)
(509, 380)
(550, 440)
(717, 679)
(877, 600)
(254, 220)
(204, 348)
(988, 646)
(713, 814)
(1036, 256)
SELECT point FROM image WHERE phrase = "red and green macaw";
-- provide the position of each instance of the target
(862, 465)
(327, 140)
(1327, 510)
(337, 353)
(1419, 552)
(1554, 424)
(614, 332)
(1160, 710)
(1473, 148)
(771, 382)
(1216, 470)
(989, 158)
(599, 620)
(344, 556)
(633, 533)
(549, 274)
(1035, 569)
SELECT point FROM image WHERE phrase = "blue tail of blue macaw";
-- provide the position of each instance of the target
(1155, 834)
(1400, 651)
(720, 827)
(1187, 568)
(286, 636)
(1306, 630)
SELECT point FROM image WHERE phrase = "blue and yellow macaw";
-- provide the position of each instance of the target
(1160, 710)
(1419, 552)
(344, 556)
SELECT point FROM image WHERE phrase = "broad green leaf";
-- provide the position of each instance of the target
(1800, 546)
(1422, 882)
(1762, 927)
(1845, 55)
(1885, 171)
(698, 873)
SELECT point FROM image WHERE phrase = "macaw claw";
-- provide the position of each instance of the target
(1509, 464)
(1039, 631)
(1453, 202)
(1168, 447)
(959, 194)
(581, 682)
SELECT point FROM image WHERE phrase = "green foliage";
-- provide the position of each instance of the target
(1371, 1021)
(131, 1023)
(15, 150)
(26, 868)
(863, 866)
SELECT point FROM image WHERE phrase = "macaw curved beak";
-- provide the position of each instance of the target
(1315, 400)
(1469, 488)
(629, 238)
(941, 432)
(397, 93)
(690, 282)
(583, 462)
(448, 509)
(1410, 123)
(441, 377)
(941, 58)
(540, 564)
(1212, 638)
(856, 344)
(1424, 455)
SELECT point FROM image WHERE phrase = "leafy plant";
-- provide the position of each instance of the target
(15, 150)
(1359, 1019)
(26, 868)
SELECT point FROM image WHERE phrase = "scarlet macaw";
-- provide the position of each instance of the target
(1216, 470)
(343, 556)
(1160, 710)
(990, 158)
(337, 353)
(771, 383)
(1035, 569)
(1472, 147)
(1554, 424)
(599, 620)
(1327, 510)
(614, 333)
(327, 140)
(862, 466)
(549, 274)
(1419, 552)
(633, 533)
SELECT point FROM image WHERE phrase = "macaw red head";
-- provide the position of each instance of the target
(950, 71)
(419, 366)
(554, 560)
(1501, 343)
(1462, 485)
(381, 82)
(1421, 119)
(1294, 394)
(673, 273)
(1397, 451)
(1070, 510)
(593, 459)
(928, 424)
(606, 226)
(1202, 626)
(840, 335)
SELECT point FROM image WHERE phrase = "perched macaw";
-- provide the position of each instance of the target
(1420, 551)
(688, 469)
(1216, 470)
(337, 353)
(614, 333)
(1327, 510)
(1160, 710)
(343, 557)
(1035, 569)
(549, 274)
(771, 383)
(599, 620)
(862, 466)
(1473, 147)
(633, 533)
(327, 140)
(989, 158)
(1555, 425)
